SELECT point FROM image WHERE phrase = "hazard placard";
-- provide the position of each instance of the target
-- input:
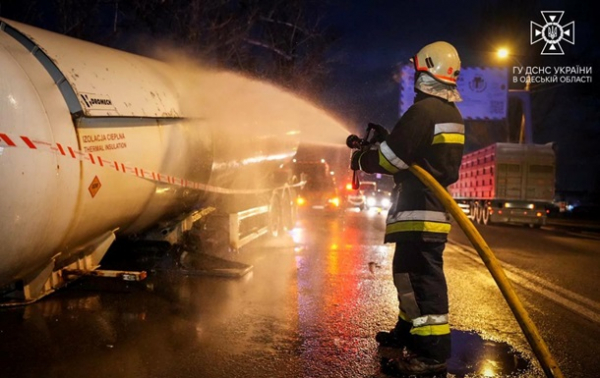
(94, 186)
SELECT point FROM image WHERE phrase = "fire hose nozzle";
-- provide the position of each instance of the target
(355, 142)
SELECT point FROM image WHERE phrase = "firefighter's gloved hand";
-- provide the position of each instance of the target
(379, 132)
(355, 160)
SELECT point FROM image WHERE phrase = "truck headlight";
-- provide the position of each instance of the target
(386, 202)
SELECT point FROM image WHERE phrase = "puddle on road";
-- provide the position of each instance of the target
(473, 356)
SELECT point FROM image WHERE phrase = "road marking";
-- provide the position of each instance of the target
(555, 293)
(565, 230)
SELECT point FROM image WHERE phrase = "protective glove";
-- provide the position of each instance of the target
(355, 160)
(379, 132)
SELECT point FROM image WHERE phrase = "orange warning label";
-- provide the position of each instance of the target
(94, 186)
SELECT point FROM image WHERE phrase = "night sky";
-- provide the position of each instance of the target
(373, 37)
(379, 35)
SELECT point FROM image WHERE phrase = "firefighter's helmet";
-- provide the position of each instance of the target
(440, 60)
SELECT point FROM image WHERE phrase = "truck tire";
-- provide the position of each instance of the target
(275, 215)
(485, 216)
(288, 210)
(478, 213)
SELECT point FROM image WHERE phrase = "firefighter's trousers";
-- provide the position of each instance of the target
(423, 295)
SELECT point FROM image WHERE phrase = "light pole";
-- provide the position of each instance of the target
(524, 95)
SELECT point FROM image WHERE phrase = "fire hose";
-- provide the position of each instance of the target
(535, 340)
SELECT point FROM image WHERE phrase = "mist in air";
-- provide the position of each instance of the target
(255, 127)
(258, 122)
(250, 106)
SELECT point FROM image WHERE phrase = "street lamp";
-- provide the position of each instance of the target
(504, 53)
(524, 95)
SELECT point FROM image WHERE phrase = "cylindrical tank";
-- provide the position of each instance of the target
(95, 140)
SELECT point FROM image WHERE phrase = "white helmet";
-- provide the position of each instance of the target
(440, 60)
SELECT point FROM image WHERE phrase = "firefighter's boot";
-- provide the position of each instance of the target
(393, 343)
(412, 365)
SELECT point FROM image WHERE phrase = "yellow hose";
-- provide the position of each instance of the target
(529, 329)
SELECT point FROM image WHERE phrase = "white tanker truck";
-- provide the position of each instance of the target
(96, 143)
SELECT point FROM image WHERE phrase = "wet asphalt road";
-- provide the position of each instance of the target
(555, 273)
(309, 308)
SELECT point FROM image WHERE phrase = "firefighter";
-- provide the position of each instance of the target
(430, 134)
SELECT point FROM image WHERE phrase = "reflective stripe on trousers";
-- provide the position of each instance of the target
(426, 325)
(430, 325)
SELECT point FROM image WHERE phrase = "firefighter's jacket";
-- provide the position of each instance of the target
(430, 134)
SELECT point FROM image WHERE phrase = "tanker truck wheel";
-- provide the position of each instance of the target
(275, 215)
(288, 210)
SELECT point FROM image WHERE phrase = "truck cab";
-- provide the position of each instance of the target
(320, 191)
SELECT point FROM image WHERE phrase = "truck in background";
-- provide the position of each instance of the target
(507, 183)
(319, 189)
(356, 197)
(368, 196)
